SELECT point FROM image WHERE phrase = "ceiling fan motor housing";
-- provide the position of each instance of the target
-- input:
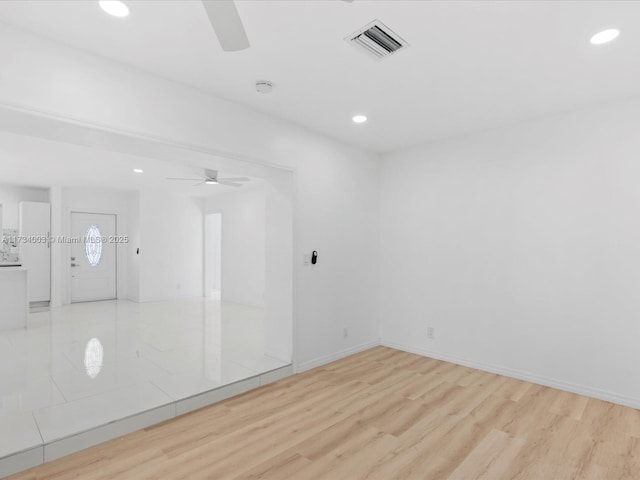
(264, 86)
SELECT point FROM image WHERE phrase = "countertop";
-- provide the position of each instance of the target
(11, 268)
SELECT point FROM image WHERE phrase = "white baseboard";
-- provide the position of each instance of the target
(317, 362)
(522, 375)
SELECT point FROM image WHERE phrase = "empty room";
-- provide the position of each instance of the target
(319, 239)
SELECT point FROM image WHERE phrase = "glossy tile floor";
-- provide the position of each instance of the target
(80, 366)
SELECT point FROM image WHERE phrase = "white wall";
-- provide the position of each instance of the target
(166, 228)
(278, 295)
(243, 244)
(336, 185)
(10, 198)
(257, 246)
(171, 246)
(521, 247)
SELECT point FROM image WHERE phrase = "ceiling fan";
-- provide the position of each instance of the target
(227, 24)
(210, 177)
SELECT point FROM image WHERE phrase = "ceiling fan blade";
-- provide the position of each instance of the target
(236, 179)
(190, 179)
(210, 173)
(230, 184)
(199, 183)
(227, 24)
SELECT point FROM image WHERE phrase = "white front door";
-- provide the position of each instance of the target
(93, 257)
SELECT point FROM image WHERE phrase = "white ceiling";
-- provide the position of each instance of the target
(36, 162)
(470, 66)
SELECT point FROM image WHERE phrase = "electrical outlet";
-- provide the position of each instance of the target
(431, 333)
(345, 332)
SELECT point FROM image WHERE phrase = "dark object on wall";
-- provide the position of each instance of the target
(137, 251)
(314, 257)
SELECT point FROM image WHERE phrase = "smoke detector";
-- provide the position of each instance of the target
(264, 86)
(377, 40)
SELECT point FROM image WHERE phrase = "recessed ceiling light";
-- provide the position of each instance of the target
(605, 36)
(359, 119)
(114, 7)
(138, 170)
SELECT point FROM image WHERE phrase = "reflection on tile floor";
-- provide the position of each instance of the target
(83, 365)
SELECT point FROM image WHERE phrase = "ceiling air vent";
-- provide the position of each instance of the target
(377, 40)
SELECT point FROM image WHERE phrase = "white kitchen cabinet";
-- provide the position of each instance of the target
(35, 249)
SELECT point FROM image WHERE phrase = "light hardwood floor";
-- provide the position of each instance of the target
(380, 414)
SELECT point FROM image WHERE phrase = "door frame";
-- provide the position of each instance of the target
(67, 250)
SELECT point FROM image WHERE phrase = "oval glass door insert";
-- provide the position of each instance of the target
(93, 245)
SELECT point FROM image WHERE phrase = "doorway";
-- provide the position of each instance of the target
(93, 257)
